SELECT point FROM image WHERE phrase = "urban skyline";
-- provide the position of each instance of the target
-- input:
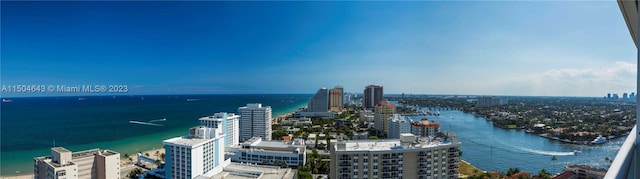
(519, 48)
(417, 145)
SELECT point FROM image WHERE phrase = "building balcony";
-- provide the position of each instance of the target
(625, 165)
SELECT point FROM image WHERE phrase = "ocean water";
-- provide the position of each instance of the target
(29, 127)
(496, 149)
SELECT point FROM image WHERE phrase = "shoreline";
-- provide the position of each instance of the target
(582, 143)
(134, 146)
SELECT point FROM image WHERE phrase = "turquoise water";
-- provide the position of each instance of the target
(30, 126)
(497, 149)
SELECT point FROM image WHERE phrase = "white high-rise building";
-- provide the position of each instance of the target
(408, 157)
(230, 126)
(396, 125)
(255, 120)
(200, 154)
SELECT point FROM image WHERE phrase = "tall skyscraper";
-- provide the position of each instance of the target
(200, 154)
(372, 96)
(625, 96)
(335, 99)
(255, 121)
(230, 126)
(319, 102)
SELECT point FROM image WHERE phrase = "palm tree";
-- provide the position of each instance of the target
(162, 156)
(126, 156)
(553, 159)
(146, 154)
(157, 162)
(544, 174)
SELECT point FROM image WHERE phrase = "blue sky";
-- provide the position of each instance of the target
(486, 48)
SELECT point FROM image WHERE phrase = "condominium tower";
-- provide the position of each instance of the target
(425, 128)
(319, 102)
(335, 99)
(382, 112)
(490, 101)
(255, 120)
(407, 157)
(372, 96)
(230, 126)
(88, 164)
(200, 154)
(396, 125)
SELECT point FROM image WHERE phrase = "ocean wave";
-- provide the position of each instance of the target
(550, 153)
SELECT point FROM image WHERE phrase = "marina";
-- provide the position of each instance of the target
(495, 149)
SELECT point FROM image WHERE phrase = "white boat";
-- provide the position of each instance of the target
(7, 100)
(576, 152)
(144, 123)
(599, 140)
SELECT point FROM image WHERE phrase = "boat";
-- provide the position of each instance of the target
(82, 99)
(577, 152)
(599, 140)
(144, 123)
(7, 100)
(158, 120)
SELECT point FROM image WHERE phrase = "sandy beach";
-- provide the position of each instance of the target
(134, 157)
(19, 177)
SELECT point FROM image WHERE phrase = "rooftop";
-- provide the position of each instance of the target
(211, 118)
(86, 153)
(391, 144)
(60, 149)
(257, 144)
(242, 171)
(278, 144)
(425, 123)
(109, 153)
(185, 141)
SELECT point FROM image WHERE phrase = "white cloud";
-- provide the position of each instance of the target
(619, 77)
